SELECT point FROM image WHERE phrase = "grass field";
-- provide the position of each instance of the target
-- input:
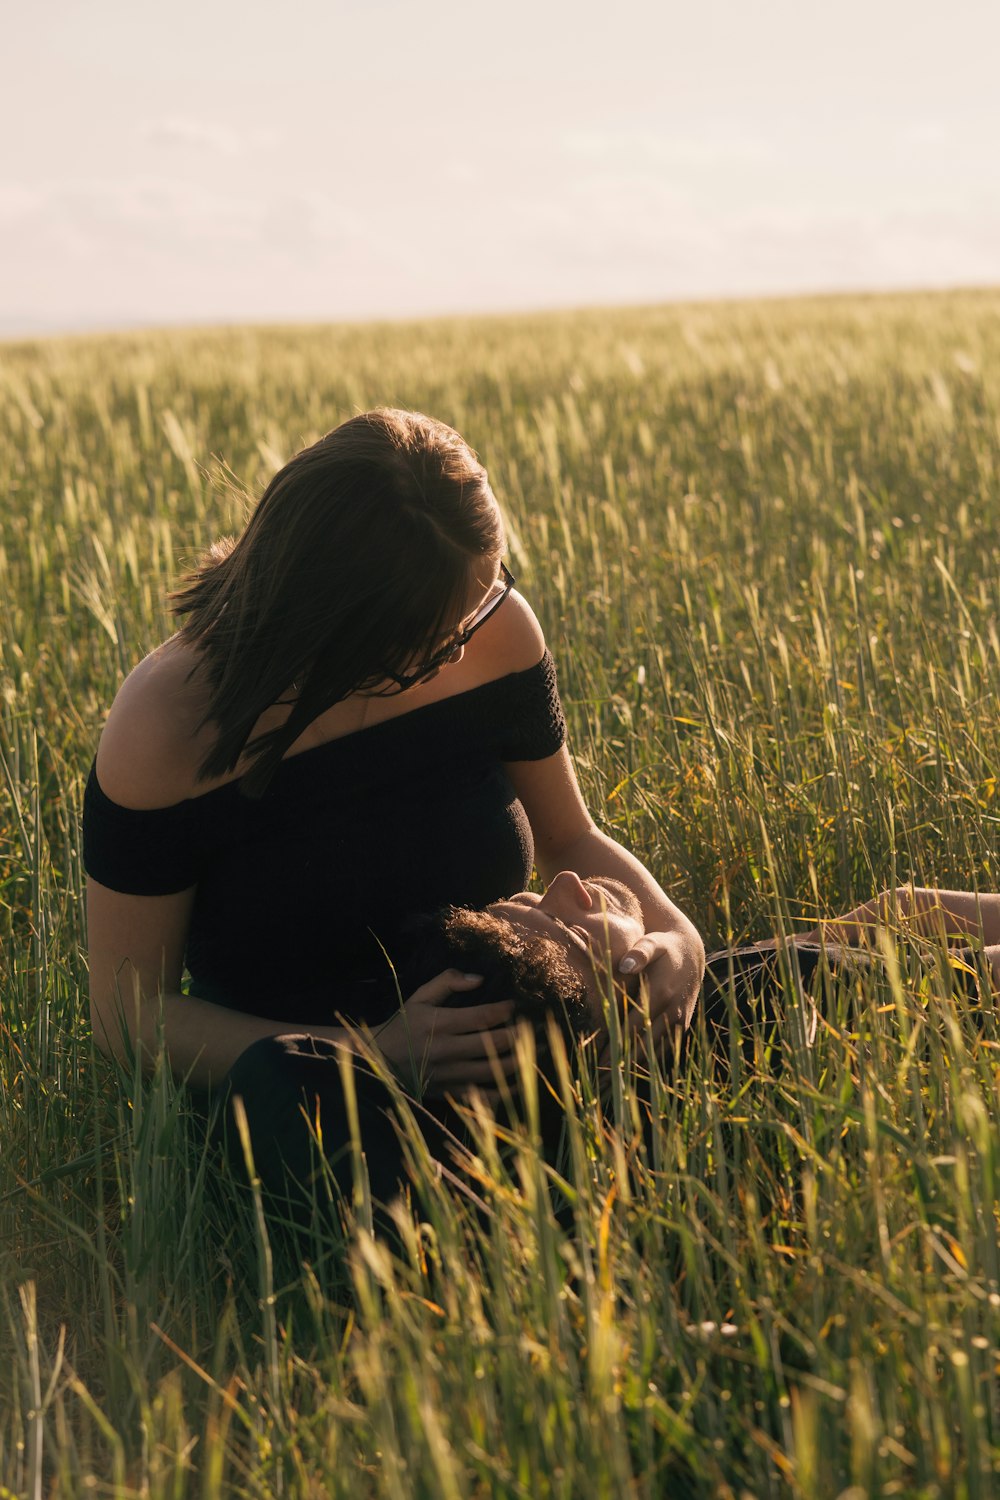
(762, 540)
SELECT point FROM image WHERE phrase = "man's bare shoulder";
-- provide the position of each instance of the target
(152, 743)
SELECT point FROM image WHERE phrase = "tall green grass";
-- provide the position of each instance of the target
(762, 541)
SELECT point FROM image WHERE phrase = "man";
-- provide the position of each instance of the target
(591, 925)
(560, 955)
(553, 954)
(566, 952)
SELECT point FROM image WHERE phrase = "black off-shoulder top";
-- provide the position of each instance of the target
(301, 894)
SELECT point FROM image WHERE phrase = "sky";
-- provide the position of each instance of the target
(235, 161)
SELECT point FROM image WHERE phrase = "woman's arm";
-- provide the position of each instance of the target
(148, 758)
(136, 949)
(672, 955)
(136, 960)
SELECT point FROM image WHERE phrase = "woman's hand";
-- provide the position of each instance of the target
(672, 973)
(434, 1047)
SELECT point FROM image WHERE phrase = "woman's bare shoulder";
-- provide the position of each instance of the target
(153, 742)
(513, 640)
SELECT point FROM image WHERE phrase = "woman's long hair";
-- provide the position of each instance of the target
(358, 559)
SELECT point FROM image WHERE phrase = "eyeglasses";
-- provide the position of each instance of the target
(497, 594)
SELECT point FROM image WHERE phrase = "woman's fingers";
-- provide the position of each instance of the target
(457, 1020)
(446, 1045)
(442, 986)
(644, 951)
(498, 1041)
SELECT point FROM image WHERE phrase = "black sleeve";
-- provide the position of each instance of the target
(535, 725)
(152, 852)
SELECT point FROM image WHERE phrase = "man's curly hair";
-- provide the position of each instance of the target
(533, 972)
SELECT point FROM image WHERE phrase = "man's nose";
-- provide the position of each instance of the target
(566, 894)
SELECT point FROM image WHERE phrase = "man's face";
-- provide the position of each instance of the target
(594, 921)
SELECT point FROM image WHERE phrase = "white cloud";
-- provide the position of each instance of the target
(938, 243)
(130, 230)
(203, 135)
(309, 220)
(648, 148)
(157, 210)
(156, 247)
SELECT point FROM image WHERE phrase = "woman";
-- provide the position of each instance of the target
(357, 719)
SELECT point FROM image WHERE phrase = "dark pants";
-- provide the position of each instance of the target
(299, 1126)
(758, 983)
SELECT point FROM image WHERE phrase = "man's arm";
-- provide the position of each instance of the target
(922, 910)
(136, 959)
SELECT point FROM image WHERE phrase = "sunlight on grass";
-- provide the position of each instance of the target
(761, 540)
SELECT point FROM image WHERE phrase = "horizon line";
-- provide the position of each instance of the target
(27, 329)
